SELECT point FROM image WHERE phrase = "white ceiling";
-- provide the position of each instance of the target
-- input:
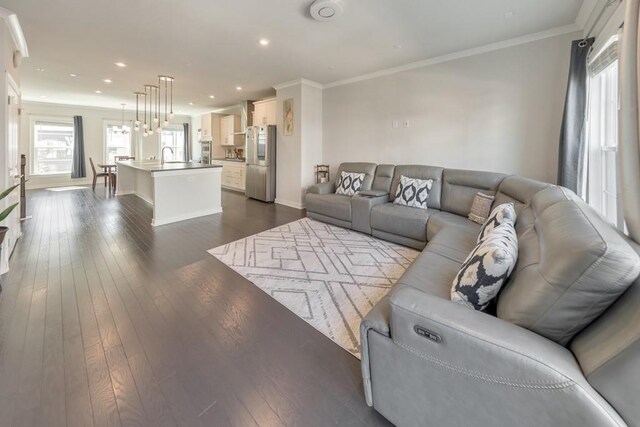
(211, 46)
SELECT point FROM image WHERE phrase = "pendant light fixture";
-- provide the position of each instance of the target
(153, 97)
(123, 129)
(136, 126)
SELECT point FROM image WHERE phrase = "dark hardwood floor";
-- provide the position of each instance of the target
(107, 321)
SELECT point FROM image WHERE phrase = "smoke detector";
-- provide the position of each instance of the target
(326, 10)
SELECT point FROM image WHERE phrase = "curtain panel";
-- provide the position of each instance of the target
(187, 145)
(629, 133)
(572, 149)
(78, 169)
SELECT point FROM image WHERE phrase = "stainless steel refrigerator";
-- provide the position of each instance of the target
(261, 163)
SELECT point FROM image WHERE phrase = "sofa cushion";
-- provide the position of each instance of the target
(431, 273)
(331, 205)
(349, 183)
(572, 266)
(499, 215)
(383, 177)
(460, 186)
(401, 220)
(413, 192)
(421, 172)
(486, 269)
(518, 190)
(453, 242)
(441, 220)
(368, 169)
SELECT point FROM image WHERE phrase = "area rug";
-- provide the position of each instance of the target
(327, 275)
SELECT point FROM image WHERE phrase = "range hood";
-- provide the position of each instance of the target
(246, 116)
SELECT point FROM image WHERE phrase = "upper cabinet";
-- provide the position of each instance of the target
(264, 112)
(210, 127)
(229, 126)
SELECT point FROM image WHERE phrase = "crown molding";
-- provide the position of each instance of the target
(558, 31)
(304, 82)
(19, 41)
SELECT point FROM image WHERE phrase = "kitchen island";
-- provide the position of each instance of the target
(177, 191)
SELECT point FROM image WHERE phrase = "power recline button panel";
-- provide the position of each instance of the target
(425, 333)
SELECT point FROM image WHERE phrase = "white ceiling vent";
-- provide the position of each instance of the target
(326, 10)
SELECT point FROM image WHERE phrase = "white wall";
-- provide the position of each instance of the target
(498, 111)
(311, 147)
(93, 125)
(288, 151)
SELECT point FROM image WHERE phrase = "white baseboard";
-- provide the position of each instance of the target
(295, 205)
(190, 215)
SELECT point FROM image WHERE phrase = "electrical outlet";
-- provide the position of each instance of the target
(394, 124)
(405, 124)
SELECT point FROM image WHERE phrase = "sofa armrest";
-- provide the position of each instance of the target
(477, 342)
(473, 348)
(322, 188)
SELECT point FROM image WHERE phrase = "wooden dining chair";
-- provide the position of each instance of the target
(96, 175)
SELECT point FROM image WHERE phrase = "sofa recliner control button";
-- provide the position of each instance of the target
(425, 333)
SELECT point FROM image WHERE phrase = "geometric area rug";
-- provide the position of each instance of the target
(327, 275)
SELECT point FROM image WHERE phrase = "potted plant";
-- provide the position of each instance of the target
(5, 213)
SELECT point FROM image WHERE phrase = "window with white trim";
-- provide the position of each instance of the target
(51, 145)
(602, 126)
(173, 136)
(117, 140)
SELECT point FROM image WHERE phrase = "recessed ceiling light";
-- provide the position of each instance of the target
(238, 87)
(73, 75)
(43, 96)
(39, 69)
(264, 42)
(107, 80)
(121, 64)
(98, 91)
(191, 103)
(212, 96)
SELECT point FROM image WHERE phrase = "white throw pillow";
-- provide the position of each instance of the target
(487, 268)
(501, 214)
(349, 183)
(413, 192)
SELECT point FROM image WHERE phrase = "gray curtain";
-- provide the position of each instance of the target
(78, 169)
(571, 154)
(629, 124)
(187, 144)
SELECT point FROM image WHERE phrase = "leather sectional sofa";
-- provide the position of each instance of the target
(562, 347)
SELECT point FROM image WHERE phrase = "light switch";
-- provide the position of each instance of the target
(405, 123)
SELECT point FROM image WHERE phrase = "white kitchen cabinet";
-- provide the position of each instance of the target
(233, 174)
(264, 112)
(205, 127)
(229, 125)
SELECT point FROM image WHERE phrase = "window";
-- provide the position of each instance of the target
(173, 136)
(117, 142)
(602, 187)
(52, 143)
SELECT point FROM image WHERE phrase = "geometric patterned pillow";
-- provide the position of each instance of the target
(505, 212)
(349, 183)
(413, 192)
(486, 269)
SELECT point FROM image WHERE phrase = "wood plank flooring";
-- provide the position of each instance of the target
(107, 321)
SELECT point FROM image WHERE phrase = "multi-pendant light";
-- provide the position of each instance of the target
(153, 95)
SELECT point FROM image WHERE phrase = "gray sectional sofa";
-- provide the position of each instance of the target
(563, 345)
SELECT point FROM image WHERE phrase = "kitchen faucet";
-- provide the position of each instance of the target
(162, 155)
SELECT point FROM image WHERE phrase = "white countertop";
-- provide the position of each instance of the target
(156, 166)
